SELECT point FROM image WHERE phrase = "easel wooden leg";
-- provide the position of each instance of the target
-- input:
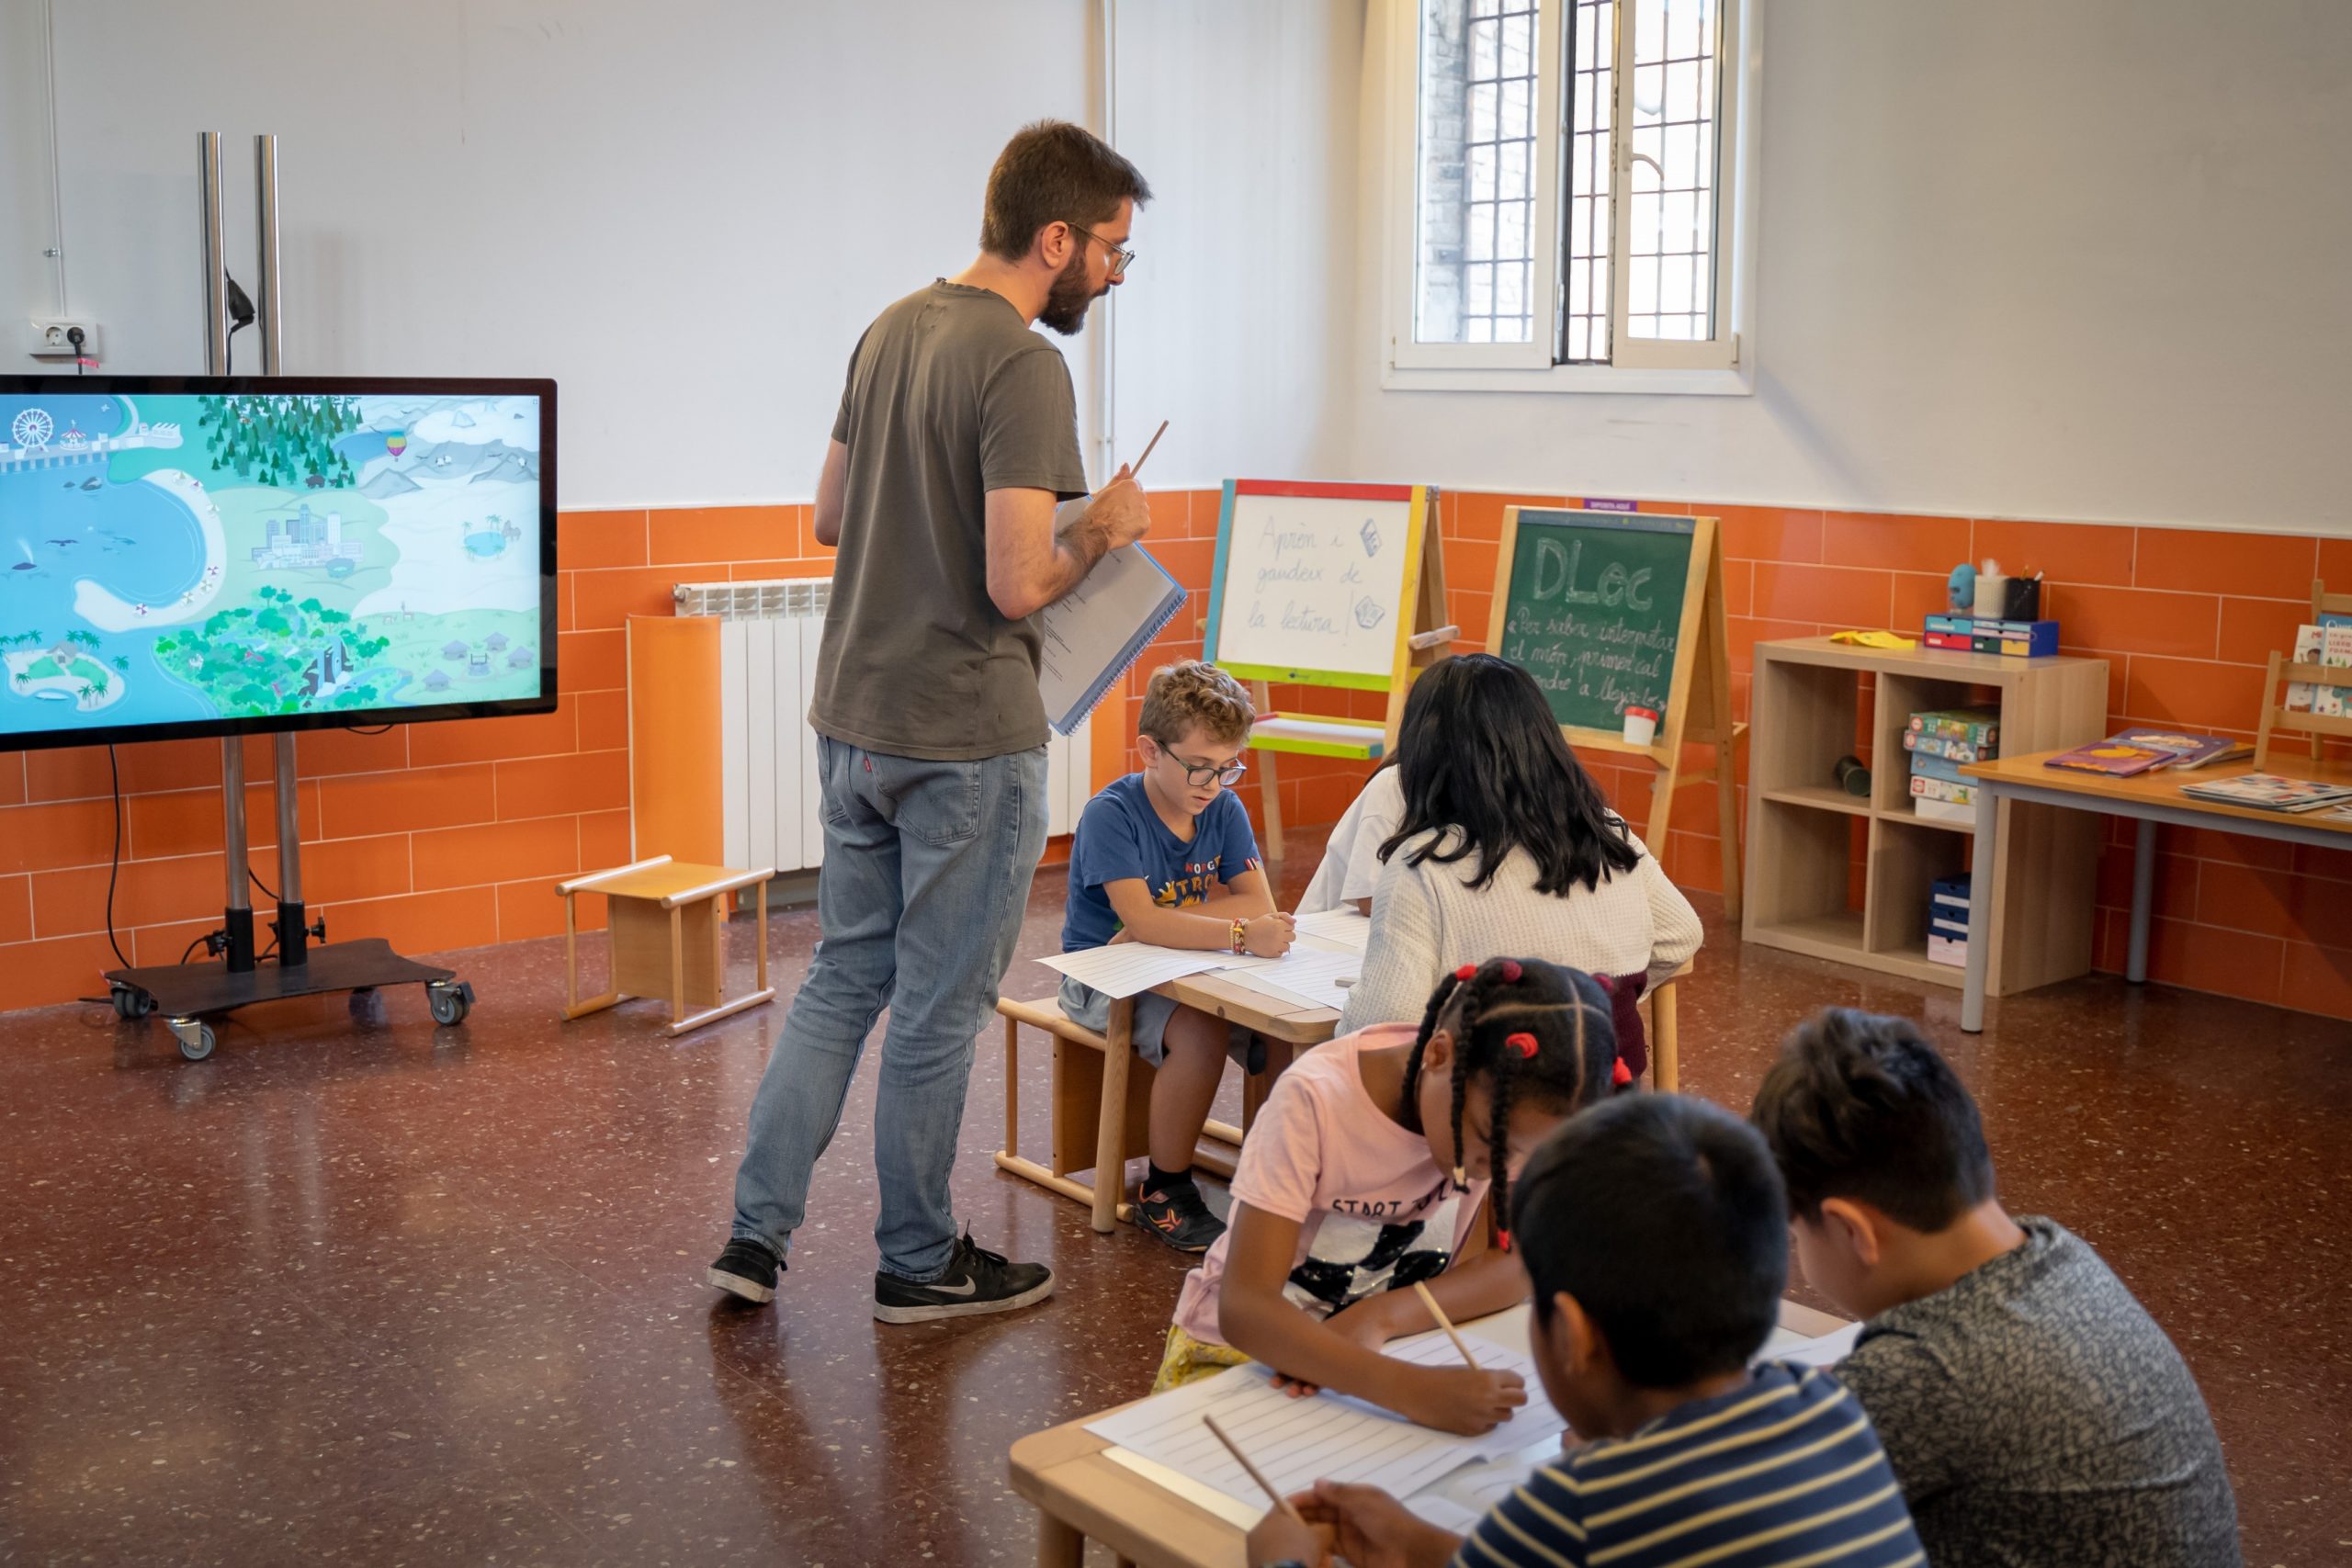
(1727, 825)
(1111, 1132)
(1270, 789)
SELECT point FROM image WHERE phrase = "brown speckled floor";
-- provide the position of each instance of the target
(392, 1294)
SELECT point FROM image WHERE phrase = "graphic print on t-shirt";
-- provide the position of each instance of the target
(1191, 886)
(1357, 1255)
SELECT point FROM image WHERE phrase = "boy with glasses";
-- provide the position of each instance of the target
(1166, 856)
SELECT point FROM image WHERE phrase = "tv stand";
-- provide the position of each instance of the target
(187, 995)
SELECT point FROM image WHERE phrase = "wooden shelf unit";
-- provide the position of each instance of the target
(1814, 701)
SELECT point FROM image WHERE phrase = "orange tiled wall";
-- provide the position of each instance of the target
(450, 835)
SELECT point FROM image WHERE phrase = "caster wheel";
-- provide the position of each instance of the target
(450, 1006)
(198, 1044)
(131, 1003)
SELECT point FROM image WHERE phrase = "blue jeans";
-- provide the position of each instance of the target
(926, 874)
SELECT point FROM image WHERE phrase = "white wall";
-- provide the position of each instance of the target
(684, 213)
(2081, 260)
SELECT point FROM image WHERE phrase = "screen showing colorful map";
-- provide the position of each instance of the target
(181, 560)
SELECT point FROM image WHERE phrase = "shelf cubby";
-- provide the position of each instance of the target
(1814, 701)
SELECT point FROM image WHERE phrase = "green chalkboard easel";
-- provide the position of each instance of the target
(1614, 610)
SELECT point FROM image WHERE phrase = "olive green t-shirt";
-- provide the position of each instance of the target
(950, 396)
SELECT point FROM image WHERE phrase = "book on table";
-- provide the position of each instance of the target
(2270, 792)
(2189, 750)
(2111, 757)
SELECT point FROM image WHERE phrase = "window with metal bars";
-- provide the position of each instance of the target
(1568, 168)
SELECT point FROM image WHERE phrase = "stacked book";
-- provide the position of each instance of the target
(1948, 922)
(1942, 742)
(2131, 752)
(2268, 792)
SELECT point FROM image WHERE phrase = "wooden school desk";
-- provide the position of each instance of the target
(2150, 798)
(1083, 1495)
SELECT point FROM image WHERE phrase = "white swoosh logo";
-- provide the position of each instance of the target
(965, 1289)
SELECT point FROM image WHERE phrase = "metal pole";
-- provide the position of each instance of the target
(240, 906)
(265, 178)
(216, 266)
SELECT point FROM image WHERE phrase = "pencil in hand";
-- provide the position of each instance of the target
(1445, 1322)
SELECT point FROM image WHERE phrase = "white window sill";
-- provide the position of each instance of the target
(1736, 382)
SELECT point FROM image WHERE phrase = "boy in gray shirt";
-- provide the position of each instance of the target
(2033, 1410)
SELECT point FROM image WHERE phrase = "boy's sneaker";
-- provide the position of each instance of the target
(746, 1269)
(976, 1281)
(1177, 1215)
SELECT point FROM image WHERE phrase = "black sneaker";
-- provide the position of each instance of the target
(976, 1281)
(1178, 1215)
(746, 1269)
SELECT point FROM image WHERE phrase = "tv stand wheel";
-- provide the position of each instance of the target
(450, 999)
(195, 1038)
(130, 1002)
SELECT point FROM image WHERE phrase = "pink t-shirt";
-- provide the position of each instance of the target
(1374, 1212)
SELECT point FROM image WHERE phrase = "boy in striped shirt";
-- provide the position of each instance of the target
(1654, 1232)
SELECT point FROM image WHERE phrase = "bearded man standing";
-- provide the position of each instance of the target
(955, 492)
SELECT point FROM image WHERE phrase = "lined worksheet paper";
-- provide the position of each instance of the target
(1307, 975)
(1125, 968)
(1343, 927)
(1328, 1436)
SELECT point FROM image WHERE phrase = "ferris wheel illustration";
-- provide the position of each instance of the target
(33, 428)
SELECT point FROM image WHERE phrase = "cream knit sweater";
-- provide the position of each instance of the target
(1426, 922)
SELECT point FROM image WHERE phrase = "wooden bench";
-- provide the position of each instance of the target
(1093, 1131)
(668, 923)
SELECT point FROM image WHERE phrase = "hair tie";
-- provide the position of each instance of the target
(1511, 970)
(1469, 972)
(1524, 1044)
(1460, 1179)
(1502, 1239)
(1621, 1074)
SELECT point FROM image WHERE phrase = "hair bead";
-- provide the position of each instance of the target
(1523, 1043)
(1621, 1074)
(1469, 972)
(1511, 972)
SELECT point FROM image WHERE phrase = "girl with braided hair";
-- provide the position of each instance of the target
(1369, 1169)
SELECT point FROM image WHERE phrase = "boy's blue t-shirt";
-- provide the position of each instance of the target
(1121, 837)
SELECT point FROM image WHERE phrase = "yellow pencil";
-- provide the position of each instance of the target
(1255, 1474)
(1445, 1322)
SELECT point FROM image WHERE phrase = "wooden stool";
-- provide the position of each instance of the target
(669, 932)
(1101, 1104)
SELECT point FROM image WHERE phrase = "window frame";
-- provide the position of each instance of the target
(1723, 366)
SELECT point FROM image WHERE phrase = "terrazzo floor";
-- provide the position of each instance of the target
(360, 1289)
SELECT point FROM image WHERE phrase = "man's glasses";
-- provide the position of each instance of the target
(1198, 774)
(1120, 260)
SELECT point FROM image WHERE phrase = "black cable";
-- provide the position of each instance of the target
(262, 885)
(367, 730)
(114, 774)
(191, 947)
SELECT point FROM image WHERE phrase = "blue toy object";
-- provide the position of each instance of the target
(1959, 588)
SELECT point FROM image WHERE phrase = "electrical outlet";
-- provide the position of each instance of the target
(50, 337)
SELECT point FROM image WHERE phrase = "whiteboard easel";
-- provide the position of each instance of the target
(1329, 586)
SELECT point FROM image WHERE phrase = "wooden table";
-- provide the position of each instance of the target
(2150, 798)
(1082, 1495)
(1288, 1027)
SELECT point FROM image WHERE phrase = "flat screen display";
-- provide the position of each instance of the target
(189, 556)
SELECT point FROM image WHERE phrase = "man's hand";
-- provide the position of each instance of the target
(1372, 1530)
(1116, 516)
(1281, 1538)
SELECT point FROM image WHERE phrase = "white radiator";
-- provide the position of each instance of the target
(767, 666)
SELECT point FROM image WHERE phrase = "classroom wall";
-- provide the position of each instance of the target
(687, 214)
(2066, 262)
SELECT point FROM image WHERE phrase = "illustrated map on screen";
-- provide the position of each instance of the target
(183, 558)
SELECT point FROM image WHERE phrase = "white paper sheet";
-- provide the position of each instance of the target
(1329, 1437)
(1310, 975)
(1342, 928)
(1826, 1350)
(1125, 968)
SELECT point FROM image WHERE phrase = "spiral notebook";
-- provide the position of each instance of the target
(1089, 638)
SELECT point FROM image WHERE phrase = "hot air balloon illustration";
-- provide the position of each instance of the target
(396, 442)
